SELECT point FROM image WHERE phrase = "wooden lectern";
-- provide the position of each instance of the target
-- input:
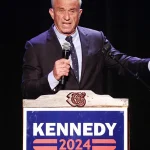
(75, 120)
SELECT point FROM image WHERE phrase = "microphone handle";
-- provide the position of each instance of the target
(62, 81)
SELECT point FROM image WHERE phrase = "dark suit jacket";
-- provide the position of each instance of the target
(43, 50)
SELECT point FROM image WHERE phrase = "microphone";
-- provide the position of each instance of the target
(65, 54)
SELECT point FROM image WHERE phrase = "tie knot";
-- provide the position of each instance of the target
(69, 39)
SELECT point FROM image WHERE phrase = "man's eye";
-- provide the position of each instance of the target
(60, 10)
(72, 10)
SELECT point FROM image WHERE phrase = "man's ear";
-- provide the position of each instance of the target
(80, 12)
(51, 12)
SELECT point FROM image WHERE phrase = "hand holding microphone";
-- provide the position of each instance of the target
(62, 66)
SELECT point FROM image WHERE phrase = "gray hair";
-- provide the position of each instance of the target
(52, 2)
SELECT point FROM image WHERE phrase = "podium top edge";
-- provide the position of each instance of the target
(61, 98)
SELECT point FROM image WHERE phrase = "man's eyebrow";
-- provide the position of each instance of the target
(62, 8)
(59, 7)
(73, 9)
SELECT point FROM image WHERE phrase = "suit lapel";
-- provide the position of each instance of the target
(85, 46)
(52, 38)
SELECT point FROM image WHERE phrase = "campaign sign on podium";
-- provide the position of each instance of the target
(52, 123)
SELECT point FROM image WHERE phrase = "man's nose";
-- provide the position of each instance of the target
(66, 15)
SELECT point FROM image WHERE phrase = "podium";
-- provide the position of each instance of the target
(75, 120)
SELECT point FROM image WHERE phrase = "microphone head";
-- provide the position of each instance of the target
(66, 46)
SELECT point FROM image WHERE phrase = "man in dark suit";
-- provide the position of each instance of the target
(44, 67)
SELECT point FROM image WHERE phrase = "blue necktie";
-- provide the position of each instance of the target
(73, 57)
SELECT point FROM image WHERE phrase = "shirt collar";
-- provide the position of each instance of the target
(62, 36)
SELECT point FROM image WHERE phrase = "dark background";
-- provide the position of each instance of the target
(125, 23)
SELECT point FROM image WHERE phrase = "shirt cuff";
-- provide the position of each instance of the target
(52, 81)
(149, 65)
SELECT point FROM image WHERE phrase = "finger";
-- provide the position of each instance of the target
(59, 72)
(61, 68)
(63, 71)
(64, 61)
(64, 66)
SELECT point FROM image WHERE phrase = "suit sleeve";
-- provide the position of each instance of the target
(126, 64)
(33, 83)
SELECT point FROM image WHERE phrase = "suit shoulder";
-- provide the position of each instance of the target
(39, 39)
(91, 31)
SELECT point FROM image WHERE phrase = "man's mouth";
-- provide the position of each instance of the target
(66, 24)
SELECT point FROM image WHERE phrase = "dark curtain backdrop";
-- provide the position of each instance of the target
(126, 25)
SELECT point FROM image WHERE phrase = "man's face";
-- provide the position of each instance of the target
(66, 15)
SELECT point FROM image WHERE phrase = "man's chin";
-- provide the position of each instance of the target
(68, 32)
